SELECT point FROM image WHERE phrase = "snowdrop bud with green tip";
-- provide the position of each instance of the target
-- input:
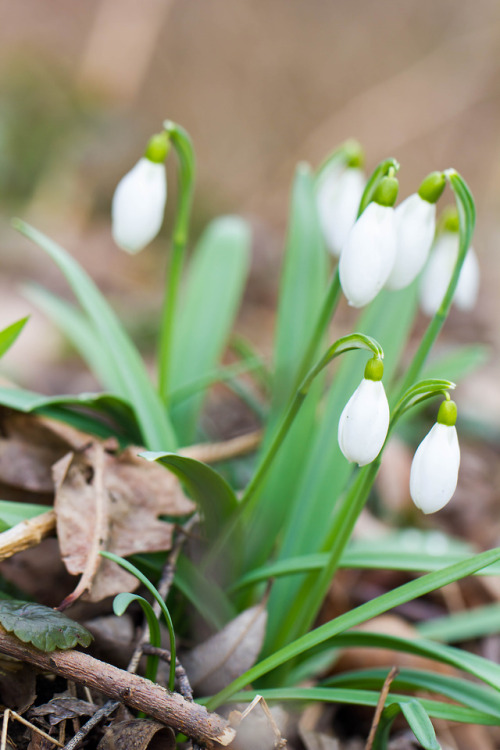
(415, 226)
(437, 274)
(139, 201)
(369, 253)
(434, 470)
(338, 199)
(364, 421)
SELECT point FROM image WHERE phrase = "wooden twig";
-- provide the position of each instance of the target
(27, 534)
(134, 691)
(8, 713)
(380, 706)
(99, 715)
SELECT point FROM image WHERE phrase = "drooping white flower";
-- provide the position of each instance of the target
(415, 227)
(437, 275)
(364, 421)
(368, 254)
(338, 198)
(434, 470)
(139, 200)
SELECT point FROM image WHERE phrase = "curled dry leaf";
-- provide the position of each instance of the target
(138, 734)
(112, 501)
(29, 445)
(63, 706)
(226, 655)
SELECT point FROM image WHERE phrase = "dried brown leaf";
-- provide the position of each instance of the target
(29, 446)
(17, 685)
(62, 707)
(113, 502)
(226, 655)
(138, 734)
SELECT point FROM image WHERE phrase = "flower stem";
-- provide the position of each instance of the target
(250, 496)
(467, 220)
(183, 146)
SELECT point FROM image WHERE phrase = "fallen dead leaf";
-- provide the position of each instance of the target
(62, 707)
(30, 445)
(112, 501)
(138, 734)
(217, 661)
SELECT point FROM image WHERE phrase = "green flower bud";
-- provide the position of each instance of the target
(447, 413)
(432, 187)
(449, 220)
(158, 148)
(386, 191)
(355, 156)
(374, 369)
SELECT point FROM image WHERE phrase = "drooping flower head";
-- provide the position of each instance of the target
(415, 227)
(339, 194)
(364, 421)
(438, 272)
(368, 255)
(139, 201)
(434, 470)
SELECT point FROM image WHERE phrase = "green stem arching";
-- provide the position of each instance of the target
(183, 146)
(308, 601)
(250, 496)
(467, 220)
(335, 290)
(152, 590)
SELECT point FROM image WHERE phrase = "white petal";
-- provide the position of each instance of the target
(434, 471)
(415, 226)
(368, 255)
(339, 195)
(468, 282)
(138, 205)
(364, 423)
(437, 274)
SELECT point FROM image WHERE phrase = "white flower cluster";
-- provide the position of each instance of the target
(362, 432)
(388, 247)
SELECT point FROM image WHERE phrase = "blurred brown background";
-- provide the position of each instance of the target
(259, 84)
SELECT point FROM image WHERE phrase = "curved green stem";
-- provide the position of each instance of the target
(154, 592)
(380, 171)
(467, 219)
(183, 146)
(342, 345)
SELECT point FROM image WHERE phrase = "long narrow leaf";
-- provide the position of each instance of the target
(135, 383)
(81, 333)
(9, 334)
(207, 488)
(360, 614)
(436, 709)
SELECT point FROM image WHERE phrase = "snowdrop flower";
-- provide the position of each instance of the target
(438, 272)
(369, 253)
(364, 421)
(415, 227)
(434, 470)
(139, 200)
(339, 195)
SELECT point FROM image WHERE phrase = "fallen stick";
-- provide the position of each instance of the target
(136, 692)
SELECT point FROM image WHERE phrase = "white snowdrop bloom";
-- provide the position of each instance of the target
(139, 205)
(338, 199)
(434, 470)
(368, 254)
(415, 227)
(437, 275)
(364, 421)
